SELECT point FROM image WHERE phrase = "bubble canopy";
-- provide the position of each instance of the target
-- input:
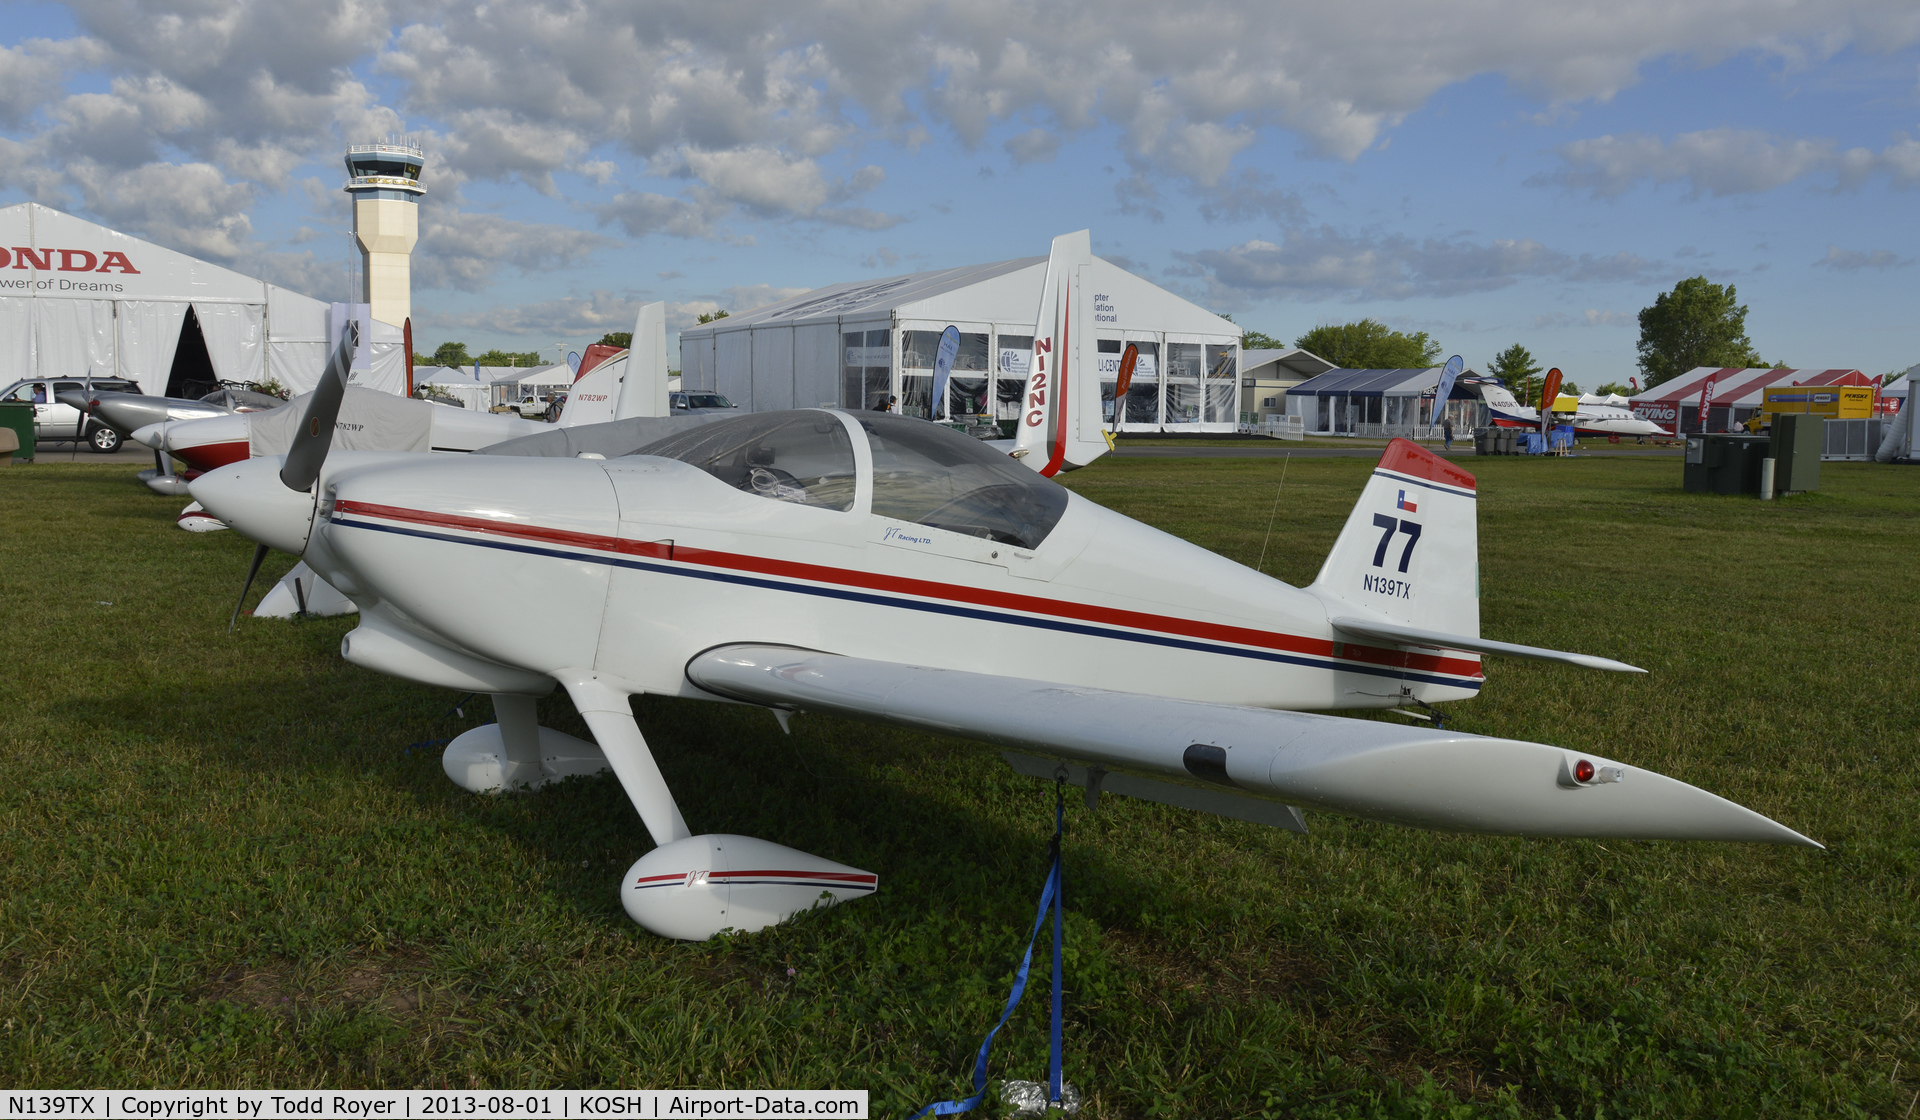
(923, 472)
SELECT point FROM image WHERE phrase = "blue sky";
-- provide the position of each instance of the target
(1509, 172)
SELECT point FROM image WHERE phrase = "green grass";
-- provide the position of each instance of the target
(222, 864)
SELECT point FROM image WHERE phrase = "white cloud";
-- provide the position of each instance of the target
(593, 314)
(464, 250)
(31, 73)
(1853, 260)
(749, 296)
(1323, 262)
(1720, 161)
(1035, 145)
(761, 108)
(1591, 317)
(641, 213)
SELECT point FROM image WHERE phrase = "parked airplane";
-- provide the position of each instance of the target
(127, 413)
(883, 567)
(1588, 419)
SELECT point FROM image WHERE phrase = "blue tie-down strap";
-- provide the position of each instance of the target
(1049, 900)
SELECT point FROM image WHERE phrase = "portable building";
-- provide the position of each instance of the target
(856, 344)
(1266, 375)
(1735, 394)
(78, 299)
(1379, 403)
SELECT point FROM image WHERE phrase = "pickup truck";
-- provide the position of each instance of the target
(533, 406)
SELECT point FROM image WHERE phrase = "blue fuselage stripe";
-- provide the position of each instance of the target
(867, 597)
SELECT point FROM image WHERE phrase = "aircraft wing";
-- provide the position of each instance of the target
(1408, 635)
(1422, 777)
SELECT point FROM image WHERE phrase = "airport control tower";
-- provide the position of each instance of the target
(384, 180)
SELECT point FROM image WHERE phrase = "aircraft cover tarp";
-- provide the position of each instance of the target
(369, 420)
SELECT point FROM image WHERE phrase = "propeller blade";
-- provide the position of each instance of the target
(315, 438)
(259, 554)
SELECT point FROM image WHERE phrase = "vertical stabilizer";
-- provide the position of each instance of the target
(644, 392)
(1410, 552)
(1060, 425)
(593, 395)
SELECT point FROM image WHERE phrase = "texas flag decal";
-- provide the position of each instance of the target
(1406, 505)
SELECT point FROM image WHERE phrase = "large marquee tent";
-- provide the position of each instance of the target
(78, 299)
(1379, 403)
(1737, 394)
(855, 344)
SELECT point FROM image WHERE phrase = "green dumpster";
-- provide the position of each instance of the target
(1724, 463)
(1798, 439)
(18, 415)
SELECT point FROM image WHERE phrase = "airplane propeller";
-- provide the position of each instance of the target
(259, 554)
(315, 438)
(310, 445)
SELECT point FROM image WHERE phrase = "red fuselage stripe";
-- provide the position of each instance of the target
(1061, 361)
(927, 589)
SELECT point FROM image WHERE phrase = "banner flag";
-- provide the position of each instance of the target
(942, 369)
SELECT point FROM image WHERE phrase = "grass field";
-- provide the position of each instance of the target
(224, 862)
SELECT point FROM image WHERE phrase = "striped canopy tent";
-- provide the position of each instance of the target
(1737, 394)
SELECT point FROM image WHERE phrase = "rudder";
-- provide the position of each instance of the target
(1409, 553)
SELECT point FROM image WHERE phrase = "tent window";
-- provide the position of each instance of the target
(930, 474)
(866, 377)
(1010, 383)
(1143, 396)
(799, 457)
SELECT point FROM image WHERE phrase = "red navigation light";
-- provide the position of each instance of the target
(1583, 771)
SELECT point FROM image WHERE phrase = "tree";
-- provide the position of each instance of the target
(1613, 388)
(1516, 367)
(449, 354)
(1255, 340)
(706, 318)
(1696, 324)
(505, 358)
(621, 339)
(1368, 344)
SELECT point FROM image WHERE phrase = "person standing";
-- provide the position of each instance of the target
(1446, 432)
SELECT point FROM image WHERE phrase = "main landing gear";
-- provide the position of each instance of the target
(688, 887)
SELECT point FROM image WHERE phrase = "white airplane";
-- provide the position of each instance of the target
(1588, 419)
(615, 389)
(891, 569)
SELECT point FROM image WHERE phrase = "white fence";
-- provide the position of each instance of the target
(1274, 426)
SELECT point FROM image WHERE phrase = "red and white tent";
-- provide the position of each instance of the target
(1735, 394)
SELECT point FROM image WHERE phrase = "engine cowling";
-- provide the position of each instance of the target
(694, 888)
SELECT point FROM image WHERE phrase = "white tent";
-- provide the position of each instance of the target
(458, 383)
(79, 299)
(855, 344)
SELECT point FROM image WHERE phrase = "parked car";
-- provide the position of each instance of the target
(695, 401)
(58, 422)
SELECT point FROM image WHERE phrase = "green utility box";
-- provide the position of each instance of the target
(1725, 464)
(1798, 439)
(18, 415)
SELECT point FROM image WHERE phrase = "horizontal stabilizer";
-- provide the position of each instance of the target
(1423, 777)
(1408, 635)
